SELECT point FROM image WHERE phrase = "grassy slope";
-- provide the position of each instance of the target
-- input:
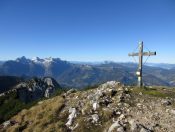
(10, 105)
(42, 117)
(159, 92)
(156, 91)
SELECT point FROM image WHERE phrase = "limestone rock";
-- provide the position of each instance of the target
(36, 88)
(95, 118)
(134, 125)
(49, 92)
(71, 91)
(166, 102)
(95, 106)
(172, 111)
(73, 114)
(114, 126)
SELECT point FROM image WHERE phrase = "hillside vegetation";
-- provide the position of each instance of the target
(109, 107)
(8, 82)
(10, 104)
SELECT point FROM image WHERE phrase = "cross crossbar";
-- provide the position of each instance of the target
(143, 54)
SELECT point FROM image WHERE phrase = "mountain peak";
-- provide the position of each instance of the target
(50, 59)
(37, 60)
(23, 59)
(45, 60)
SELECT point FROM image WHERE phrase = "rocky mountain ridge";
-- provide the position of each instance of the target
(22, 94)
(34, 89)
(107, 108)
(70, 75)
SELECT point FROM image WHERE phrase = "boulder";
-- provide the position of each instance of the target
(95, 118)
(71, 91)
(73, 114)
(133, 125)
(114, 126)
(172, 111)
(95, 106)
(166, 102)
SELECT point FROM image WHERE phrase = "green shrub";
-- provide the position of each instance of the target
(10, 105)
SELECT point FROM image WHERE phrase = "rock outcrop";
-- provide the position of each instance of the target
(111, 107)
(36, 88)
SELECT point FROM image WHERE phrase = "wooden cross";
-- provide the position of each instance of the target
(140, 54)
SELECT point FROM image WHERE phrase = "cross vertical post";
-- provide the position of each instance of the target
(140, 54)
(139, 72)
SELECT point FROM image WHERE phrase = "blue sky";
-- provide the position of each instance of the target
(87, 30)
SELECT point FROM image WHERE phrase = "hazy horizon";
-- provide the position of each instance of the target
(97, 61)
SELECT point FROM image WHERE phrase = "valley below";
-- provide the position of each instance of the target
(81, 75)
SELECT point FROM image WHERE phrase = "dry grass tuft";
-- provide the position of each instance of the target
(43, 117)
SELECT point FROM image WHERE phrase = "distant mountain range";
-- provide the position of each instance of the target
(81, 74)
(1, 62)
(161, 65)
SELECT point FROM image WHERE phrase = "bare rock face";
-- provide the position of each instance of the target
(49, 92)
(36, 88)
(48, 81)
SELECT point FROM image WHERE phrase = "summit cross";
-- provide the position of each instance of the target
(140, 54)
